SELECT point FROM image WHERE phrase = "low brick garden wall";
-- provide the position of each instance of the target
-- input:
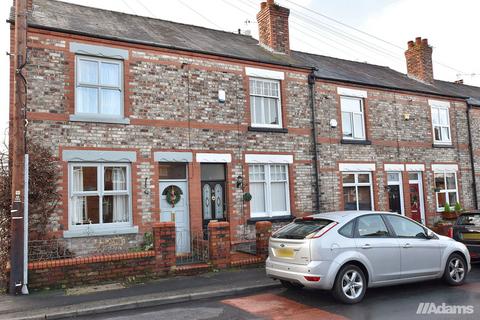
(159, 262)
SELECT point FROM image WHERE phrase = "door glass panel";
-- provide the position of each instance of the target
(213, 172)
(413, 176)
(394, 199)
(218, 201)
(364, 198)
(371, 226)
(172, 170)
(207, 196)
(405, 228)
(415, 202)
(349, 198)
(393, 177)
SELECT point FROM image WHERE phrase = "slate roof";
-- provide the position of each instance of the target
(72, 18)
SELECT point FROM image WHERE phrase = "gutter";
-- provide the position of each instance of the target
(470, 149)
(311, 85)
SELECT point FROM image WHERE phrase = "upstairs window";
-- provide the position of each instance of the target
(441, 125)
(98, 89)
(353, 118)
(265, 103)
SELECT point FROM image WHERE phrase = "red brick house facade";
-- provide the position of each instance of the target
(147, 126)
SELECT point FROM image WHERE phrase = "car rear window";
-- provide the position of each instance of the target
(301, 228)
(469, 219)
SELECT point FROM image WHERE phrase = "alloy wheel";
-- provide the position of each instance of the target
(352, 284)
(456, 269)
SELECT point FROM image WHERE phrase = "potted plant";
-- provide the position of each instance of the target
(458, 208)
(447, 212)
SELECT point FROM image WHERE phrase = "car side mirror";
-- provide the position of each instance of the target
(429, 234)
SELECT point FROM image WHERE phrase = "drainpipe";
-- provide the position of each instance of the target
(311, 85)
(470, 149)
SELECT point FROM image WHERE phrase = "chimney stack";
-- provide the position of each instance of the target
(273, 27)
(419, 60)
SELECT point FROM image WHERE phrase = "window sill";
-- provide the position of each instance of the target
(263, 129)
(444, 146)
(93, 232)
(86, 118)
(271, 219)
(361, 142)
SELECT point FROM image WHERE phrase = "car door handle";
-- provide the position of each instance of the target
(407, 245)
(366, 246)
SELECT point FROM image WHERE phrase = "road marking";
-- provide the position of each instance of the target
(270, 306)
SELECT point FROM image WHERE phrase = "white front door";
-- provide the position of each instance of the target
(176, 210)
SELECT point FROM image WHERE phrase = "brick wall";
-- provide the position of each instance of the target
(393, 140)
(172, 103)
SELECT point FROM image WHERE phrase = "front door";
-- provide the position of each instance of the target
(395, 192)
(213, 192)
(416, 196)
(174, 204)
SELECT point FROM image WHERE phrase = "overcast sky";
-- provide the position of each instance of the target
(451, 28)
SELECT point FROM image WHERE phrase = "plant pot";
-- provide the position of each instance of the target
(449, 215)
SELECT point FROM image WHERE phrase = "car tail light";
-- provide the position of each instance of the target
(324, 230)
(311, 278)
(450, 232)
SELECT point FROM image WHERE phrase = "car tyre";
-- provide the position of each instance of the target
(290, 285)
(350, 285)
(455, 270)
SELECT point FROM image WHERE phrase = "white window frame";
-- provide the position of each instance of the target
(100, 86)
(100, 192)
(357, 184)
(279, 104)
(351, 114)
(446, 190)
(441, 108)
(268, 192)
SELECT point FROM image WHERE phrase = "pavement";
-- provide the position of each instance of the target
(116, 297)
(417, 301)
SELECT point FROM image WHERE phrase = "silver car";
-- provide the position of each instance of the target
(346, 252)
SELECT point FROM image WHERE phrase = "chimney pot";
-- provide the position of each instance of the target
(411, 44)
(425, 42)
(263, 5)
(270, 2)
(418, 40)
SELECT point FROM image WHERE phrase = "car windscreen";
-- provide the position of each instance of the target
(301, 228)
(469, 219)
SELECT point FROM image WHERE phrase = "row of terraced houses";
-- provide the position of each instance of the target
(151, 121)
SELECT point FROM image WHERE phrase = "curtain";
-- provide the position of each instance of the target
(110, 102)
(119, 203)
(78, 201)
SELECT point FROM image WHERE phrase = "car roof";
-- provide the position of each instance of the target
(342, 216)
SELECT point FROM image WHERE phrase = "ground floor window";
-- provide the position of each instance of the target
(357, 190)
(446, 189)
(269, 188)
(99, 194)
